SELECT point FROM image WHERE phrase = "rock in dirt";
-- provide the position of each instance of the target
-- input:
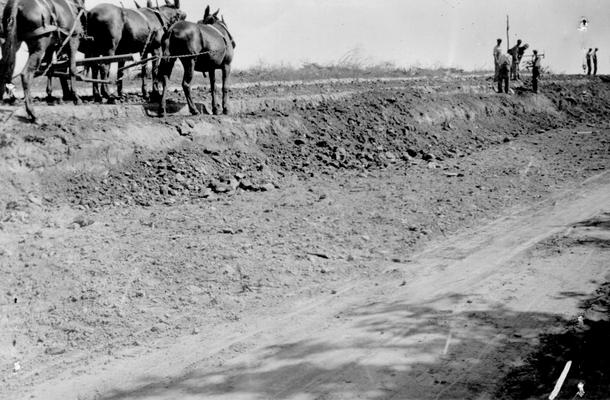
(35, 200)
(83, 221)
(267, 187)
(55, 350)
(428, 156)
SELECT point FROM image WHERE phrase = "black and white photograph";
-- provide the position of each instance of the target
(304, 200)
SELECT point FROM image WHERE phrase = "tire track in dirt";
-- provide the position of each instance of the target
(492, 250)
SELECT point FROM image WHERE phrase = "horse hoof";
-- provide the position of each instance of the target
(154, 97)
(194, 111)
(78, 101)
(225, 111)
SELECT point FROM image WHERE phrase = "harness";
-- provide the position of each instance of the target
(53, 26)
(164, 24)
(222, 35)
(164, 27)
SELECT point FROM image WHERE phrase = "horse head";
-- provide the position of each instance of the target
(209, 18)
(172, 12)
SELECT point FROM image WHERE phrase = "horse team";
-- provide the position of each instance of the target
(58, 29)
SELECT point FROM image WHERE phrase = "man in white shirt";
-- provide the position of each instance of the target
(497, 53)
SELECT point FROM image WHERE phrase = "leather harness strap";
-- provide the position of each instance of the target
(218, 31)
(141, 14)
(160, 18)
(53, 27)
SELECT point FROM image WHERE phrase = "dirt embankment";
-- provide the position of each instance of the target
(367, 131)
(118, 233)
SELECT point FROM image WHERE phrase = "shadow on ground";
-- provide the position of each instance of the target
(423, 351)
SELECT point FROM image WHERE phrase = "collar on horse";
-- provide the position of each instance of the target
(224, 37)
(157, 13)
(164, 23)
(53, 26)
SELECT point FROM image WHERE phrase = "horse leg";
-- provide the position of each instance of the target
(156, 63)
(226, 72)
(189, 71)
(37, 50)
(50, 98)
(67, 89)
(165, 70)
(97, 97)
(104, 74)
(119, 79)
(212, 74)
(144, 72)
(74, 43)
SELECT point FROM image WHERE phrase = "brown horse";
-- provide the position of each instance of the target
(118, 30)
(208, 46)
(47, 27)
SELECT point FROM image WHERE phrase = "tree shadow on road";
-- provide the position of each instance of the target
(401, 351)
(452, 347)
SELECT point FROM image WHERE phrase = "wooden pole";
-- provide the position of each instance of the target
(507, 34)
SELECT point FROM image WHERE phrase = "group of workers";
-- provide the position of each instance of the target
(507, 65)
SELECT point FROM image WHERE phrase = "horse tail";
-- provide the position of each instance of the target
(9, 49)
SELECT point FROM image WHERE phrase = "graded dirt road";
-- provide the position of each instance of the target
(450, 323)
(398, 241)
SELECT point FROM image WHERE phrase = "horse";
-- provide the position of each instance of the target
(47, 27)
(118, 30)
(207, 46)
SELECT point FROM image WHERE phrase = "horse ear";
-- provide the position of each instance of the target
(216, 13)
(149, 4)
(137, 5)
(206, 14)
(168, 3)
(177, 4)
(222, 18)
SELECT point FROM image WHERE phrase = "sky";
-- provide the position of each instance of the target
(426, 33)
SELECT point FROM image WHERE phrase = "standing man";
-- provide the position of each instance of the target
(504, 64)
(521, 53)
(9, 88)
(588, 57)
(497, 53)
(514, 53)
(535, 71)
(595, 62)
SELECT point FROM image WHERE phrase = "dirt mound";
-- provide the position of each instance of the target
(168, 177)
(379, 128)
(368, 131)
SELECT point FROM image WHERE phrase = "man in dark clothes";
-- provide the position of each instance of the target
(588, 57)
(514, 53)
(504, 63)
(535, 71)
(595, 62)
